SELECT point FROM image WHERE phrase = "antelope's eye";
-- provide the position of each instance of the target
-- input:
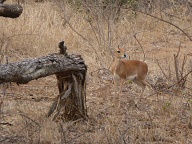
(118, 51)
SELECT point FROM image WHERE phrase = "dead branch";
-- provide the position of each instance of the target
(180, 79)
(176, 66)
(30, 69)
(140, 47)
(163, 20)
(179, 73)
(183, 65)
(10, 10)
(84, 38)
(162, 69)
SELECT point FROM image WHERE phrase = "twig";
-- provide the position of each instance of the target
(180, 79)
(6, 123)
(12, 139)
(87, 7)
(97, 71)
(179, 73)
(162, 69)
(178, 49)
(140, 47)
(63, 137)
(186, 34)
(80, 34)
(169, 15)
(129, 127)
(32, 121)
(183, 64)
(176, 66)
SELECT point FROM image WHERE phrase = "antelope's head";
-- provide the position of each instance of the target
(120, 53)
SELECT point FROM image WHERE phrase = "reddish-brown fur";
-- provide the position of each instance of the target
(125, 68)
(133, 70)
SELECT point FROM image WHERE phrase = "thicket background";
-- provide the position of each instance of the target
(157, 31)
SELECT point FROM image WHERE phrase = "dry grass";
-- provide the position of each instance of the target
(163, 117)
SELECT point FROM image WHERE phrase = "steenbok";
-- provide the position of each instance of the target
(125, 69)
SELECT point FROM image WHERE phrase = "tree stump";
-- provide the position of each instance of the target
(71, 101)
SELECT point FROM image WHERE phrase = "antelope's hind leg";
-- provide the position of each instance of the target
(118, 92)
(140, 83)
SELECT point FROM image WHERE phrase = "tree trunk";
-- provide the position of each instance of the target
(70, 71)
(10, 10)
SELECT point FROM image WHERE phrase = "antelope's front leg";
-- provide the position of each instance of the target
(120, 91)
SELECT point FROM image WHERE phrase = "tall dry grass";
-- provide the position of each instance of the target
(161, 117)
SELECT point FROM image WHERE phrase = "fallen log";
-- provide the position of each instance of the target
(30, 69)
(10, 10)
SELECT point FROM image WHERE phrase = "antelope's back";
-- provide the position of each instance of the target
(135, 66)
